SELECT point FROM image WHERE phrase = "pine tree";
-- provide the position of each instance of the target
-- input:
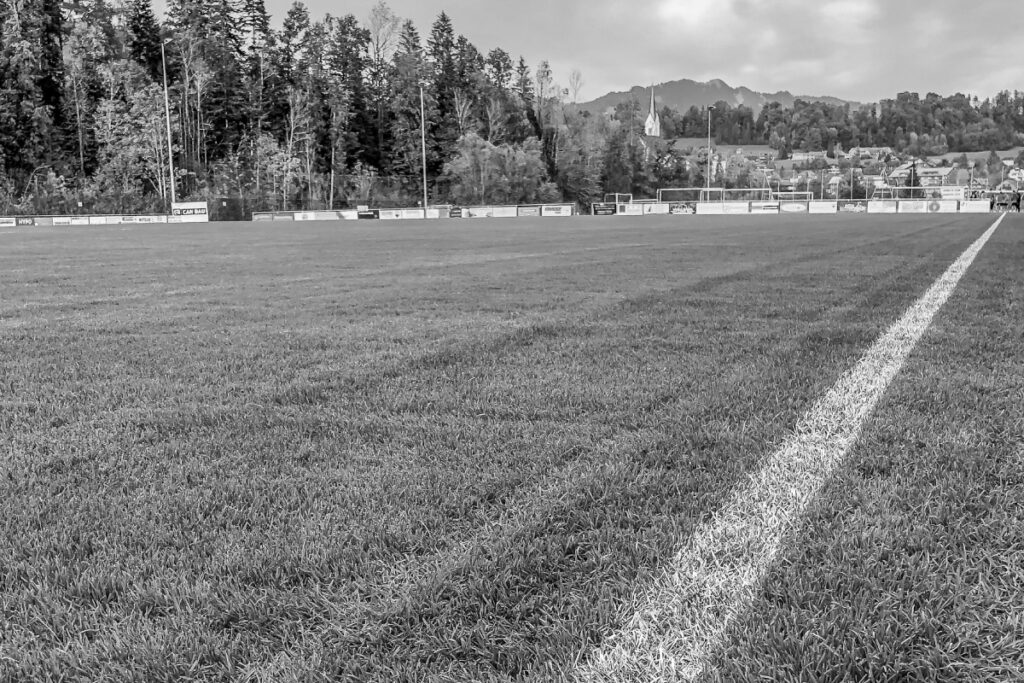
(144, 37)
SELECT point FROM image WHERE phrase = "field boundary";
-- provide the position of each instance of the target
(680, 622)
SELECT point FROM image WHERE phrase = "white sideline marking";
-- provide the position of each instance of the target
(682, 620)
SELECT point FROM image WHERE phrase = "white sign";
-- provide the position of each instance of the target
(943, 206)
(349, 215)
(710, 209)
(655, 209)
(411, 214)
(189, 212)
(955, 192)
(820, 206)
(764, 207)
(631, 209)
(975, 206)
(505, 211)
(556, 210)
(61, 220)
(732, 208)
(913, 206)
(104, 220)
(478, 212)
(8, 221)
(883, 206)
(390, 214)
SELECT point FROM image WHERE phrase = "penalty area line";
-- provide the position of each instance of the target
(681, 621)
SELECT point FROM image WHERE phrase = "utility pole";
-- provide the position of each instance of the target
(167, 116)
(423, 147)
(710, 108)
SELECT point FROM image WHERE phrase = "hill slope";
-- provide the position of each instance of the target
(684, 93)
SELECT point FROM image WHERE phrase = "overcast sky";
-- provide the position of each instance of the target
(861, 50)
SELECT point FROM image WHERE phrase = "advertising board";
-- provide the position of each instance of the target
(682, 208)
(79, 220)
(62, 220)
(853, 206)
(455, 212)
(913, 206)
(630, 210)
(792, 207)
(26, 220)
(656, 209)
(436, 213)
(975, 206)
(8, 221)
(325, 215)
(262, 217)
(943, 206)
(504, 212)
(821, 206)
(349, 215)
(305, 216)
(278, 216)
(734, 208)
(764, 207)
(412, 214)
(602, 209)
(105, 220)
(953, 192)
(556, 210)
(710, 208)
(44, 220)
(883, 206)
(189, 212)
(528, 211)
(478, 212)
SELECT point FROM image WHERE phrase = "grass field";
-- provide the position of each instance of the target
(458, 451)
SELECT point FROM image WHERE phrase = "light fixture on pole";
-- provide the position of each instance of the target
(167, 117)
(423, 147)
(710, 107)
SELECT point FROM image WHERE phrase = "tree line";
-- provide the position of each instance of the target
(327, 113)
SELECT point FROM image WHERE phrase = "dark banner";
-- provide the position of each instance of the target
(369, 214)
(604, 209)
(455, 212)
(853, 206)
(26, 220)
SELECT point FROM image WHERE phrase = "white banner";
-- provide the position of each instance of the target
(913, 206)
(105, 220)
(556, 210)
(436, 213)
(189, 212)
(793, 207)
(8, 221)
(390, 214)
(883, 206)
(506, 211)
(655, 209)
(953, 192)
(975, 206)
(478, 212)
(764, 207)
(631, 209)
(943, 206)
(349, 215)
(412, 214)
(734, 208)
(821, 206)
(60, 220)
(79, 220)
(710, 208)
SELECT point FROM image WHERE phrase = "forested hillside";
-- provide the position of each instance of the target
(326, 112)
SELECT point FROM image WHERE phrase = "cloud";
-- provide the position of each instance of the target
(856, 49)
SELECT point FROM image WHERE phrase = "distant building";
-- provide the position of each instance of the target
(870, 153)
(927, 176)
(807, 156)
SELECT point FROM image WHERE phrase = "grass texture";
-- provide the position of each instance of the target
(411, 452)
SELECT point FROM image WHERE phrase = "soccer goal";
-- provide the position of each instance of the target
(790, 196)
(618, 198)
(669, 195)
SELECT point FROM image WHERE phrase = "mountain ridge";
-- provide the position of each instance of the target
(683, 93)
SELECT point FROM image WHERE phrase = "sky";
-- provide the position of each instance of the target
(862, 50)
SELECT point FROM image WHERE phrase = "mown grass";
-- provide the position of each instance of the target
(911, 565)
(398, 453)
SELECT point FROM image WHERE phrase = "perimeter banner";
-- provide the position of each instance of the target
(913, 206)
(764, 207)
(853, 206)
(656, 209)
(556, 210)
(822, 206)
(883, 206)
(8, 221)
(630, 210)
(189, 212)
(682, 208)
(603, 209)
(735, 208)
(975, 206)
(528, 211)
(792, 207)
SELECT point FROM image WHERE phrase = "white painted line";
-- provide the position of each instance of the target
(681, 621)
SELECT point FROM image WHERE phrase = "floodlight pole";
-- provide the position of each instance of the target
(710, 107)
(167, 118)
(423, 148)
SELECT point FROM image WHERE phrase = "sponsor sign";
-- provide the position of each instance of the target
(630, 209)
(44, 220)
(435, 213)
(26, 220)
(412, 214)
(325, 215)
(79, 220)
(349, 215)
(792, 207)
(367, 214)
(764, 207)
(144, 219)
(733, 208)
(261, 217)
(953, 192)
(104, 220)
(305, 216)
(62, 220)
(556, 210)
(883, 206)
(480, 212)
(389, 214)
(853, 206)
(943, 206)
(455, 212)
(504, 212)
(8, 221)
(710, 208)
(280, 216)
(189, 212)
(528, 211)
(603, 209)
(822, 206)
(975, 206)
(913, 206)
(655, 209)
(682, 208)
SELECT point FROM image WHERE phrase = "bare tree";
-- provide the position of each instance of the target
(575, 84)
